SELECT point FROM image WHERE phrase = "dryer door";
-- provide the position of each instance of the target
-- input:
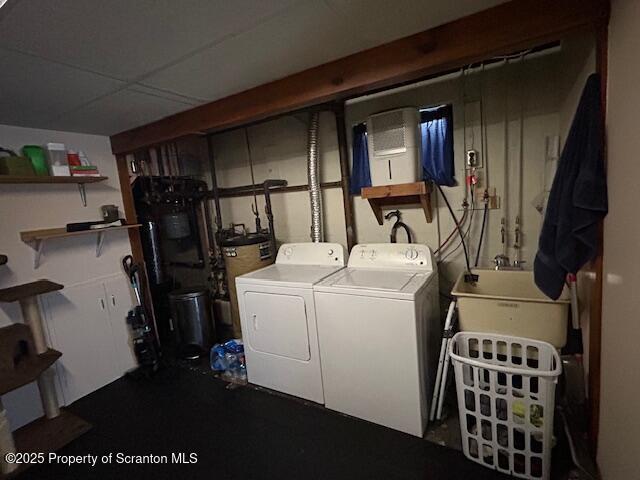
(277, 324)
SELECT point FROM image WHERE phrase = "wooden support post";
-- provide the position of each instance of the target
(135, 238)
(597, 267)
(129, 207)
(347, 200)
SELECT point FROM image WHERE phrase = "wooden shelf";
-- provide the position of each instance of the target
(50, 179)
(28, 372)
(386, 196)
(47, 233)
(37, 237)
(26, 290)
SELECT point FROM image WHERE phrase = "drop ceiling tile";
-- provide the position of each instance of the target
(32, 91)
(124, 38)
(381, 21)
(120, 111)
(300, 38)
(166, 94)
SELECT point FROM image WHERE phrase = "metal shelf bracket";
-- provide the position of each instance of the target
(99, 244)
(83, 194)
(39, 248)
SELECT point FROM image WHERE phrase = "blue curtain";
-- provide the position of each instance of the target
(360, 173)
(437, 145)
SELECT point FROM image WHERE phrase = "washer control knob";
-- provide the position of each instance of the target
(288, 251)
(330, 252)
(411, 254)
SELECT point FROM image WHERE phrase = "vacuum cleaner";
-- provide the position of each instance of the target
(144, 341)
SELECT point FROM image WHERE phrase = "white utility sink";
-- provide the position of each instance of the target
(508, 302)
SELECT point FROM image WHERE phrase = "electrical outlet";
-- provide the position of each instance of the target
(472, 158)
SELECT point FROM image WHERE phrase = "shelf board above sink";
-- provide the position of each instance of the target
(386, 196)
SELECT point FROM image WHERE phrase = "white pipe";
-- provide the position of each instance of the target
(505, 202)
(518, 226)
(445, 374)
(438, 389)
(464, 136)
(446, 76)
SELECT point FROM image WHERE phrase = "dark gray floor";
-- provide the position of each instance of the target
(243, 433)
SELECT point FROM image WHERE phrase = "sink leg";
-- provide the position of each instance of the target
(32, 317)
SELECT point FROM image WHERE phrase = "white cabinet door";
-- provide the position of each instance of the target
(119, 301)
(79, 326)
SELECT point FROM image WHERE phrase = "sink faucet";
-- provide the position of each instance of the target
(502, 262)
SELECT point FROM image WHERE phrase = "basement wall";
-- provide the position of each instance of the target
(537, 87)
(67, 261)
(279, 151)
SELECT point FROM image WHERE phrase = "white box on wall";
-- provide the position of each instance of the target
(393, 141)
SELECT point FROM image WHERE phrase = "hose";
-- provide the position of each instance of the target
(398, 224)
(466, 235)
(484, 221)
(464, 245)
(443, 245)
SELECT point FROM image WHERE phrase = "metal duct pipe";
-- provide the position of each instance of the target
(315, 195)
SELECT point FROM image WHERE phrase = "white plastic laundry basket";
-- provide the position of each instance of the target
(506, 389)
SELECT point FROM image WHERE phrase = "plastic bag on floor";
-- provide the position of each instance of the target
(228, 358)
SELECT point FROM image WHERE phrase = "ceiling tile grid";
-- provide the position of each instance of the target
(104, 67)
(127, 39)
(33, 90)
(122, 110)
(302, 37)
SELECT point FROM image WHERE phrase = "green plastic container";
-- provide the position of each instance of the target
(38, 158)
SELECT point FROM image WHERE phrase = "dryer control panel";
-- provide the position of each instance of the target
(311, 254)
(384, 255)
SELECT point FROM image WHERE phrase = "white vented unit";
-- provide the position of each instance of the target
(393, 140)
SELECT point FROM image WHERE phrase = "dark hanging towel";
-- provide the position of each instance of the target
(578, 198)
(436, 127)
(360, 173)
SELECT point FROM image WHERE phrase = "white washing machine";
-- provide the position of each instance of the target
(379, 332)
(278, 318)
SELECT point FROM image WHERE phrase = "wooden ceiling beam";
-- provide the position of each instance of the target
(503, 29)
